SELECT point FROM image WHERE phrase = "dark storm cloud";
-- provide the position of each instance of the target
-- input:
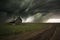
(24, 8)
(12, 8)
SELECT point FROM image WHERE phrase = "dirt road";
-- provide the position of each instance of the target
(50, 34)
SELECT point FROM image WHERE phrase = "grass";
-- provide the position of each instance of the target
(7, 29)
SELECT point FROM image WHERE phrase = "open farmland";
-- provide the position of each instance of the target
(29, 31)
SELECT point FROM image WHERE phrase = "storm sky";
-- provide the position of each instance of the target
(37, 10)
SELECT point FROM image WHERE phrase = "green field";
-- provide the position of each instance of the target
(8, 29)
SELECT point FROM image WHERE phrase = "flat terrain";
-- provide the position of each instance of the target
(30, 31)
(52, 33)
